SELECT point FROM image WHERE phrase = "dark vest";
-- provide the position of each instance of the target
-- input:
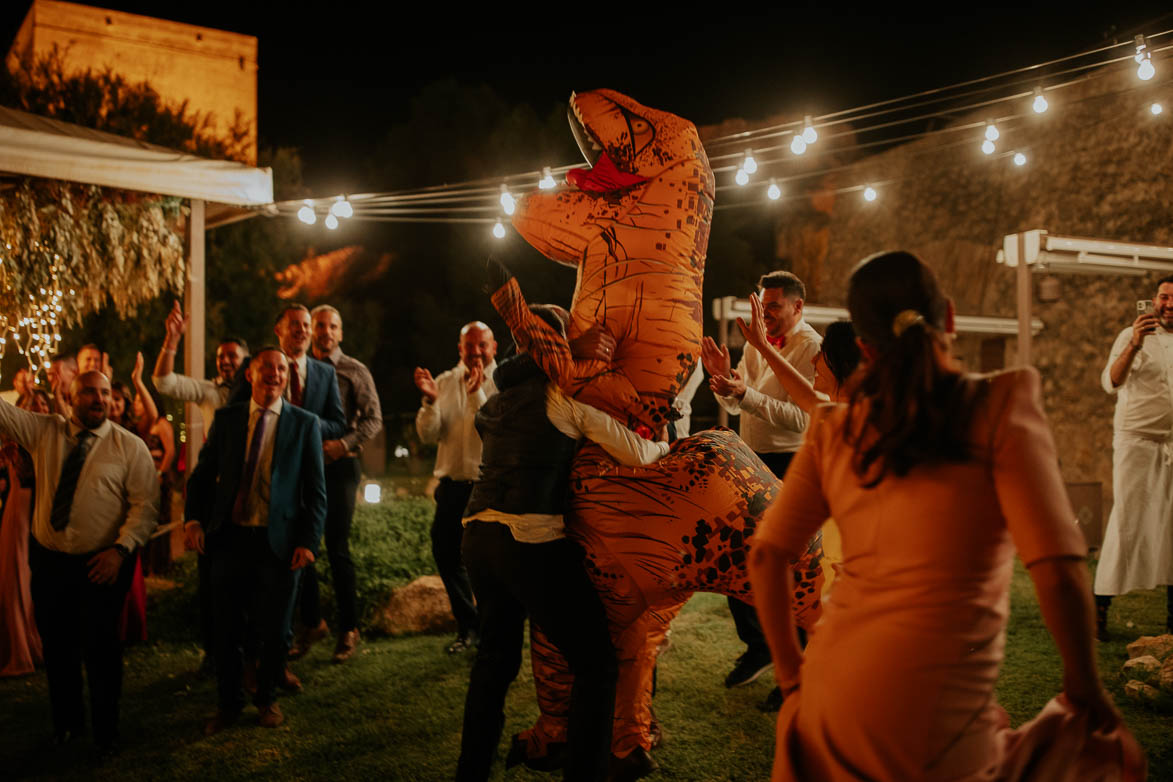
(525, 460)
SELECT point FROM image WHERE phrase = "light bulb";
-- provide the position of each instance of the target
(749, 165)
(342, 208)
(809, 134)
(992, 132)
(1040, 103)
(741, 177)
(499, 230)
(869, 193)
(798, 145)
(331, 222)
(306, 215)
(988, 147)
(1156, 109)
(1019, 159)
(507, 202)
(547, 181)
(773, 192)
(1146, 70)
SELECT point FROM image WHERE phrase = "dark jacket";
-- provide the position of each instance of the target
(525, 460)
(297, 493)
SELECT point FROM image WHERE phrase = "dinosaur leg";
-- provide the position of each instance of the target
(542, 743)
(637, 647)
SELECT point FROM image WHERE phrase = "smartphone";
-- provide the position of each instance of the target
(1145, 307)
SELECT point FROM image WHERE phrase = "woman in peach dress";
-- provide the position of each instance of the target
(20, 644)
(935, 478)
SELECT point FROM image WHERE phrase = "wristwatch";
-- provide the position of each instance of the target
(122, 550)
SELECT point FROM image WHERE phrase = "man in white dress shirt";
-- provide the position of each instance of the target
(96, 504)
(447, 416)
(771, 424)
(1138, 542)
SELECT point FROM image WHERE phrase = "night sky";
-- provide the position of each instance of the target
(335, 76)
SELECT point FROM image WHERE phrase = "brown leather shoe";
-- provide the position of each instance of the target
(288, 682)
(219, 721)
(347, 643)
(270, 716)
(307, 637)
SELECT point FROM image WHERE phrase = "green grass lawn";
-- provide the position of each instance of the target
(394, 711)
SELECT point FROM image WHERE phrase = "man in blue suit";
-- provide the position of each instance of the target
(256, 504)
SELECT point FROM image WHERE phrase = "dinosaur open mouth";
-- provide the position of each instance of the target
(603, 176)
(590, 148)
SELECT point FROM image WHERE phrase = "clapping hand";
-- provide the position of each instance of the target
(755, 331)
(594, 344)
(716, 359)
(731, 385)
(426, 384)
(136, 374)
(473, 378)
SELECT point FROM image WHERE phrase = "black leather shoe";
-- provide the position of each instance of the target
(749, 667)
(773, 701)
(634, 766)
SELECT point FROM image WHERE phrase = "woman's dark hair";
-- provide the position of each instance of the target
(123, 390)
(26, 398)
(840, 351)
(552, 315)
(916, 412)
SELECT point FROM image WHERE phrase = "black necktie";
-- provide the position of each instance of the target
(63, 498)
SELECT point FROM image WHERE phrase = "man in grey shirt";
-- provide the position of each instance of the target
(364, 419)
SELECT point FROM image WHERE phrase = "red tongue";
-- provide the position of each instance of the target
(603, 178)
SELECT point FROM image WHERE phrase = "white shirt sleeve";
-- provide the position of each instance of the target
(574, 419)
(21, 425)
(428, 421)
(142, 497)
(779, 414)
(1117, 348)
(188, 389)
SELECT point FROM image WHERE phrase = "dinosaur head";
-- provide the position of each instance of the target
(625, 142)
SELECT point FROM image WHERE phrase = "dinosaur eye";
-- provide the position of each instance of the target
(639, 126)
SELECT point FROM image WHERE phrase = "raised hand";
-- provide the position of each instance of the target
(426, 384)
(136, 374)
(497, 274)
(716, 359)
(176, 325)
(755, 331)
(731, 385)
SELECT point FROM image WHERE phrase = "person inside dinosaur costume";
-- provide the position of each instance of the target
(635, 226)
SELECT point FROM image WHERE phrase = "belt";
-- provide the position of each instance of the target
(446, 479)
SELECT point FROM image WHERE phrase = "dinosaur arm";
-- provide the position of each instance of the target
(561, 224)
(549, 349)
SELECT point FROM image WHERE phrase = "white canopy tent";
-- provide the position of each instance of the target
(220, 192)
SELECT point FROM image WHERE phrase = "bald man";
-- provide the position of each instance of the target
(447, 417)
(96, 504)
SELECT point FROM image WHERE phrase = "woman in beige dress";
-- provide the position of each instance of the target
(935, 478)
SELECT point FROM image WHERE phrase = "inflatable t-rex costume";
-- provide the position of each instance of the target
(636, 227)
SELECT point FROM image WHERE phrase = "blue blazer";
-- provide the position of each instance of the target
(297, 493)
(320, 395)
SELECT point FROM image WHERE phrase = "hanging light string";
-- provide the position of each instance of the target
(438, 199)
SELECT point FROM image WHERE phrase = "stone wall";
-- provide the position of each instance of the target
(214, 71)
(1099, 165)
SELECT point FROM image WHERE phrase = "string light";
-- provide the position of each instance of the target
(991, 131)
(1040, 103)
(798, 144)
(809, 134)
(1144, 60)
(869, 193)
(1156, 109)
(749, 165)
(499, 229)
(1019, 159)
(306, 215)
(331, 221)
(547, 181)
(340, 208)
(508, 203)
(988, 147)
(773, 192)
(741, 177)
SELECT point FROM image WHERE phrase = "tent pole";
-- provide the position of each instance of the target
(1022, 275)
(193, 344)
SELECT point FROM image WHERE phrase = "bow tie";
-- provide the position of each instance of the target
(777, 342)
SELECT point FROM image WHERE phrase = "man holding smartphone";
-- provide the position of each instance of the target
(1136, 553)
